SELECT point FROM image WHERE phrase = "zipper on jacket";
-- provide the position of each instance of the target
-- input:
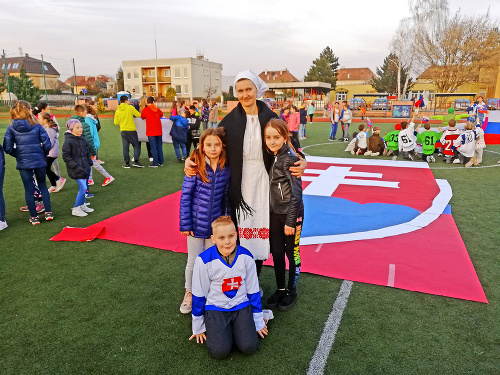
(281, 191)
(212, 194)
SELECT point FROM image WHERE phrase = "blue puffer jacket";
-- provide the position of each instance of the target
(203, 202)
(32, 144)
(179, 129)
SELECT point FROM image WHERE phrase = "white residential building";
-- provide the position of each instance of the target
(191, 78)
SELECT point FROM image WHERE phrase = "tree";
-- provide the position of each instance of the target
(388, 75)
(333, 60)
(467, 49)
(170, 94)
(23, 88)
(120, 83)
(321, 70)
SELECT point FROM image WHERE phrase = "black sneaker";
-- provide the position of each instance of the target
(275, 299)
(152, 166)
(49, 216)
(137, 164)
(288, 302)
(126, 165)
(35, 220)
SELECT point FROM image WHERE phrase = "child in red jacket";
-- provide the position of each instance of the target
(152, 114)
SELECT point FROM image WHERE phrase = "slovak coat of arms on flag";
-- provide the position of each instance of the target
(231, 285)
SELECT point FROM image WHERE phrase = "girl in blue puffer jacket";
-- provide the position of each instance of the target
(203, 200)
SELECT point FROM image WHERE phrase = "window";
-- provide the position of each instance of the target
(8, 66)
(177, 73)
(186, 89)
(129, 75)
(151, 73)
(136, 74)
(166, 73)
(341, 95)
(185, 72)
(217, 75)
(15, 66)
(45, 67)
(177, 89)
(3, 66)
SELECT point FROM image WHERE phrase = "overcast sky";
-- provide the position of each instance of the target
(255, 34)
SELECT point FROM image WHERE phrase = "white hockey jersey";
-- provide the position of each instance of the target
(362, 139)
(466, 143)
(218, 286)
(407, 139)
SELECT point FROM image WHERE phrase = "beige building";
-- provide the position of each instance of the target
(191, 78)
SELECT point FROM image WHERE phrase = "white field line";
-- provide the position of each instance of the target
(318, 361)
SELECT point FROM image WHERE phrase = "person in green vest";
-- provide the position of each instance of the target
(428, 139)
(391, 139)
(449, 116)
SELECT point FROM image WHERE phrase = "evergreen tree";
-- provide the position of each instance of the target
(23, 87)
(321, 71)
(387, 76)
(333, 60)
(120, 84)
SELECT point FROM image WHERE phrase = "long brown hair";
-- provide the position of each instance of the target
(282, 128)
(198, 154)
(50, 123)
(22, 111)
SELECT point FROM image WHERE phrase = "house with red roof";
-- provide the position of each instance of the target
(35, 69)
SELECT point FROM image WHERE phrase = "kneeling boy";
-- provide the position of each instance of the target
(227, 308)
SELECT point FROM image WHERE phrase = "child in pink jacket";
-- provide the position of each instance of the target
(293, 126)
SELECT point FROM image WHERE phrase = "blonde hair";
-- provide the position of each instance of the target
(469, 126)
(142, 103)
(22, 111)
(222, 220)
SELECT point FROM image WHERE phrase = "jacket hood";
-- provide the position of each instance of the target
(122, 107)
(153, 107)
(21, 126)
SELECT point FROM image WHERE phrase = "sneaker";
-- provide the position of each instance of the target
(160, 165)
(86, 208)
(3, 225)
(24, 209)
(179, 160)
(275, 299)
(60, 184)
(137, 164)
(40, 208)
(52, 189)
(77, 211)
(447, 159)
(34, 220)
(456, 161)
(288, 302)
(390, 151)
(410, 156)
(152, 166)
(368, 153)
(183, 159)
(49, 216)
(100, 161)
(375, 153)
(91, 182)
(433, 160)
(346, 140)
(89, 195)
(330, 139)
(187, 302)
(108, 180)
(126, 165)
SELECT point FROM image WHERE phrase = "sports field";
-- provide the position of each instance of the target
(104, 307)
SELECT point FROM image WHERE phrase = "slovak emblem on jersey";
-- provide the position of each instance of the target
(231, 285)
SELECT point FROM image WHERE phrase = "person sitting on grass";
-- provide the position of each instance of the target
(178, 132)
(376, 144)
(352, 143)
(407, 141)
(361, 143)
(78, 161)
(466, 144)
(227, 309)
(447, 139)
(391, 139)
(428, 139)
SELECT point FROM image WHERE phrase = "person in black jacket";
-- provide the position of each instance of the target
(287, 212)
(29, 143)
(193, 136)
(76, 155)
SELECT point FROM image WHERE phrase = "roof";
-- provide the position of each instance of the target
(32, 65)
(355, 74)
(277, 76)
(86, 80)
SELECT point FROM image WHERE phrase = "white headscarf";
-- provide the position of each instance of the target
(257, 81)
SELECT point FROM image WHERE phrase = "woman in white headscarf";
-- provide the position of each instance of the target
(250, 163)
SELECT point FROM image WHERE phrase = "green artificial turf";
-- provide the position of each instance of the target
(104, 307)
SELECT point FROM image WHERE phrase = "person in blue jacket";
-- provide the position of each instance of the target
(29, 143)
(179, 132)
(203, 200)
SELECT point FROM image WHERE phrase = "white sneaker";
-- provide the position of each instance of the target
(3, 225)
(375, 153)
(367, 153)
(86, 208)
(187, 302)
(60, 183)
(77, 211)
(456, 161)
(52, 189)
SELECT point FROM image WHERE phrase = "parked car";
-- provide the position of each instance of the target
(461, 104)
(271, 102)
(381, 103)
(356, 103)
(493, 104)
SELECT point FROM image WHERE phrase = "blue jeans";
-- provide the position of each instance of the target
(156, 149)
(177, 146)
(2, 202)
(29, 189)
(213, 125)
(333, 133)
(82, 188)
